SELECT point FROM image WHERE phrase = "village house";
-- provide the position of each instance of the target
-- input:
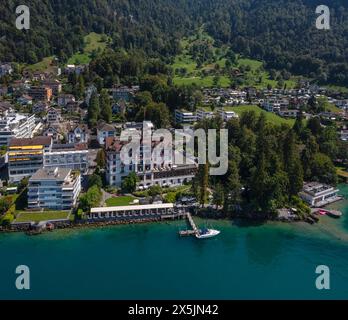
(25, 100)
(344, 135)
(53, 116)
(5, 69)
(54, 132)
(79, 134)
(64, 99)
(124, 93)
(119, 107)
(105, 130)
(40, 107)
(73, 107)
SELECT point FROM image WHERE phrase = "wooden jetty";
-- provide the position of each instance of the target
(194, 229)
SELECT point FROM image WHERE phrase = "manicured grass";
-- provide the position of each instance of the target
(23, 216)
(119, 201)
(272, 117)
(93, 41)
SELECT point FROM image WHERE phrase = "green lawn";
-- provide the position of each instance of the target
(272, 117)
(23, 216)
(255, 77)
(119, 201)
(93, 42)
(42, 65)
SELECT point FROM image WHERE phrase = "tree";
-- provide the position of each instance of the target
(105, 106)
(101, 160)
(218, 195)
(323, 170)
(91, 199)
(93, 109)
(129, 183)
(95, 180)
(155, 190)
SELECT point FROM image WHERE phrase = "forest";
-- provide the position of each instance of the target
(281, 33)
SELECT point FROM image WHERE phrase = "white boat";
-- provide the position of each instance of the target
(206, 233)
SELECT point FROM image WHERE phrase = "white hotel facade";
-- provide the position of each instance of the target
(162, 172)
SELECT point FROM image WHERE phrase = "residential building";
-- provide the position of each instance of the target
(25, 156)
(40, 93)
(53, 116)
(64, 99)
(53, 131)
(124, 93)
(73, 156)
(227, 115)
(344, 135)
(204, 114)
(105, 130)
(319, 194)
(55, 85)
(79, 134)
(54, 189)
(5, 69)
(40, 107)
(25, 100)
(15, 125)
(286, 113)
(183, 116)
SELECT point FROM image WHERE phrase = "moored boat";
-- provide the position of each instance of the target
(207, 233)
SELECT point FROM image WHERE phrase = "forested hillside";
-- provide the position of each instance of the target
(280, 32)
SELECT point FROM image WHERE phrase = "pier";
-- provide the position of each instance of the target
(194, 229)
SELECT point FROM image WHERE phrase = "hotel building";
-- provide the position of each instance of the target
(54, 189)
(25, 156)
(162, 172)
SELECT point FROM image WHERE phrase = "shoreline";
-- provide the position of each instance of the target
(100, 224)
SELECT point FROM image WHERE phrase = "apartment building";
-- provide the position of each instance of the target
(227, 115)
(183, 116)
(25, 156)
(54, 189)
(40, 93)
(15, 125)
(204, 114)
(73, 156)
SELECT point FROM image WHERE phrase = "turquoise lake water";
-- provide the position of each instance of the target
(150, 261)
